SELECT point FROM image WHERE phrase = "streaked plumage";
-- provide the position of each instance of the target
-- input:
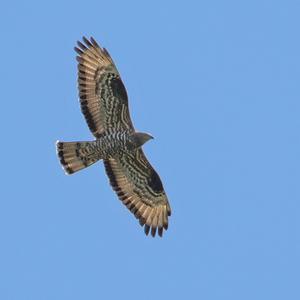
(104, 103)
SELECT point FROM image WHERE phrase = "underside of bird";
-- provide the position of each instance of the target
(75, 156)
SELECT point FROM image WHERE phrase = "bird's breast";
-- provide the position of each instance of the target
(113, 144)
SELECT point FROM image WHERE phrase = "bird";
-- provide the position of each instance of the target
(104, 103)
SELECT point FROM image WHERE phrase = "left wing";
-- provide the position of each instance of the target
(103, 97)
(139, 187)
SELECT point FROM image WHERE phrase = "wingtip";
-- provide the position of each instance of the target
(81, 45)
(78, 51)
(153, 231)
(90, 42)
(87, 41)
(160, 231)
(147, 229)
(94, 42)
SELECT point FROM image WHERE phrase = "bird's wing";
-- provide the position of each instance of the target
(103, 97)
(139, 187)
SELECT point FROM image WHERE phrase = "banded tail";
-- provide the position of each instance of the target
(75, 156)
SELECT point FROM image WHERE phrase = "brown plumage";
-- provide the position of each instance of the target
(104, 104)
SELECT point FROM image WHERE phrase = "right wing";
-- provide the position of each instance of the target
(139, 187)
(103, 97)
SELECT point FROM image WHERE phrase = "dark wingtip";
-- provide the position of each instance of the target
(87, 41)
(77, 50)
(142, 221)
(153, 231)
(160, 231)
(94, 42)
(81, 45)
(147, 229)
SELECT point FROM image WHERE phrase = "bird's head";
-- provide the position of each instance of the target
(140, 138)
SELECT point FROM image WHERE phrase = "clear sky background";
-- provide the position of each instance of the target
(217, 84)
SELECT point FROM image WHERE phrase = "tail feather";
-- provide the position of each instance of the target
(75, 156)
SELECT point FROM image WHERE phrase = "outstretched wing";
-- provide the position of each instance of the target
(103, 97)
(139, 187)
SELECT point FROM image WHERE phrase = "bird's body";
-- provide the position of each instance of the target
(75, 156)
(104, 103)
(114, 144)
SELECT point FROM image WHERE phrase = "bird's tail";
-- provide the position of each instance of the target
(75, 156)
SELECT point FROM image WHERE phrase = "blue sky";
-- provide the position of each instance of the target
(217, 84)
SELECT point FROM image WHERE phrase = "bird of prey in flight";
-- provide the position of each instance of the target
(104, 104)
